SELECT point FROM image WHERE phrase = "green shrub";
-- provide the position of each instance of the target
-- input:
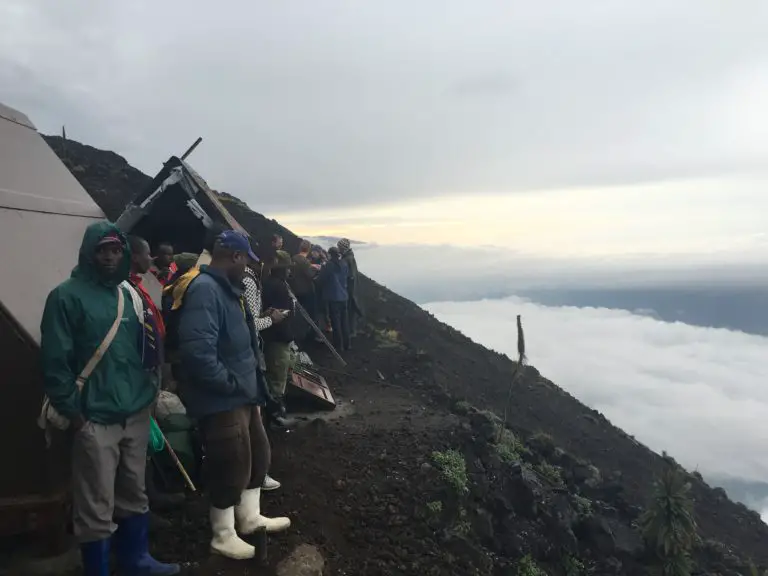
(572, 566)
(462, 407)
(582, 505)
(388, 338)
(668, 524)
(550, 473)
(526, 566)
(509, 448)
(453, 469)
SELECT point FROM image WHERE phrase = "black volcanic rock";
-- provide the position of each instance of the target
(107, 177)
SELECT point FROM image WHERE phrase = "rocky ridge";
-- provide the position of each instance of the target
(422, 478)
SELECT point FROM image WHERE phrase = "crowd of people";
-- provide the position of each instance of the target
(225, 326)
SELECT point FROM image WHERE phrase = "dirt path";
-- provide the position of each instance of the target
(346, 482)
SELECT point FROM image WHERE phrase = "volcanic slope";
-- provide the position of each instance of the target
(417, 480)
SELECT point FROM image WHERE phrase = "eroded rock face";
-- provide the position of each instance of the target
(524, 490)
(305, 560)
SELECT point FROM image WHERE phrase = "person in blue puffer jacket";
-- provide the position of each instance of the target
(224, 389)
(333, 279)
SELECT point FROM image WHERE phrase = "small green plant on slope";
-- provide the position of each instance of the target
(462, 407)
(388, 338)
(462, 525)
(453, 469)
(668, 524)
(526, 566)
(550, 473)
(572, 566)
(543, 441)
(583, 505)
(509, 448)
(755, 571)
(435, 507)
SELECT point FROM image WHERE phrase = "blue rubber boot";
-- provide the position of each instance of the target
(132, 543)
(95, 557)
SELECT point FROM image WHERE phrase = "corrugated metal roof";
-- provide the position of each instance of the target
(203, 185)
(43, 214)
(199, 198)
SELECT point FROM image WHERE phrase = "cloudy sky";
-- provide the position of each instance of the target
(559, 127)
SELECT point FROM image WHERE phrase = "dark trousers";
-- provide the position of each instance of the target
(309, 303)
(237, 454)
(354, 312)
(321, 310)
(339, 324)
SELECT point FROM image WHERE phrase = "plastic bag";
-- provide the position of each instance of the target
(156, 439)
(168, 403)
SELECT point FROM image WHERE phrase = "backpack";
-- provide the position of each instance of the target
(172, 307)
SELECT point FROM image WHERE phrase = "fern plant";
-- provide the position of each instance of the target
(669, 526)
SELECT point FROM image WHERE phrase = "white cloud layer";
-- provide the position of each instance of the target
(698, 393)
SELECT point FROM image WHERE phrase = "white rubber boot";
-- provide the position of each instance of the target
(249, 518)
(225, 540)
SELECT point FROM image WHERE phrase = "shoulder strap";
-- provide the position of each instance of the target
(93, 362)
(136, 298)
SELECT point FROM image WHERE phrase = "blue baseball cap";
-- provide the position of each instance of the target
(238, 241)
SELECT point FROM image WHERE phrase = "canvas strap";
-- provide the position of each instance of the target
(101, 350)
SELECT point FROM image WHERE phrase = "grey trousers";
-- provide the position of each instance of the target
(108, 464)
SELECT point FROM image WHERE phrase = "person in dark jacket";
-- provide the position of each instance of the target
(333, 279)
(314, 256)
(165, 267)
(109, 413)
(278, 337)
(224, 389)
(302, 280)
(353, 306)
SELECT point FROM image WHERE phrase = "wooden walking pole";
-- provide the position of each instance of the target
(178, 463)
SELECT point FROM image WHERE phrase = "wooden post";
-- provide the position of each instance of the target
(191, 148)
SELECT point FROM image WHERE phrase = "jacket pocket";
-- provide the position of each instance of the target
(234, 385)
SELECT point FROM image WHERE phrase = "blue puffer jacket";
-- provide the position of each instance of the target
(333, 280)
(217, 348)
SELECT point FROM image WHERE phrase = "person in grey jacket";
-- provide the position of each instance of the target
(224, 389)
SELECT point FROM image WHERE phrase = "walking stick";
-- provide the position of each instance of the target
(178, 463)
(317, 330)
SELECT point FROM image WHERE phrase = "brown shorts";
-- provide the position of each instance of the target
(237, 453)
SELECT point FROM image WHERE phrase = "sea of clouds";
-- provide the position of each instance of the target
(698, 393)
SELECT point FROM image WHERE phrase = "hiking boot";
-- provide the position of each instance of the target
(249, 518)
(270, 484)
(225, 540)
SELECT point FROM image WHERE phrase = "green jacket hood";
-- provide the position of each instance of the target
(86, 267)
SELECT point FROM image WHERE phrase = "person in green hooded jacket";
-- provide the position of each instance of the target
(110, 416)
